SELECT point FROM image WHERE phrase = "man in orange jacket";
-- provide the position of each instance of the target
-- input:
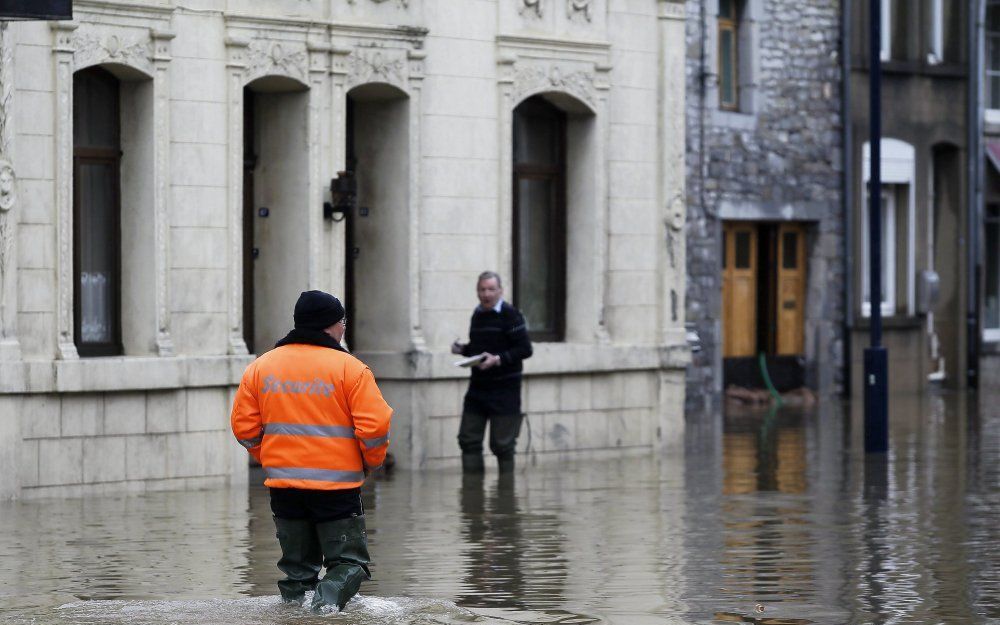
(313, 416)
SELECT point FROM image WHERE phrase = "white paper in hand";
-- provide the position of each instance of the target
(471, 360)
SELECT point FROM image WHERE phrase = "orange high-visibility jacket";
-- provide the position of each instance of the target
(313, 417)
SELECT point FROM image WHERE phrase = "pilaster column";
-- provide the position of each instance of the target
(672, 196)
(9, 347)
(63, 49)
(505, 211)
(319, 170)
(602, 264)
(416, 83)
(339, 72)
(236, 67)
(162, 193)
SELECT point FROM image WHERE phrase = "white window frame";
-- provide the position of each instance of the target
(885, 52)
(888, 255)
(898, 167)
(935, 54)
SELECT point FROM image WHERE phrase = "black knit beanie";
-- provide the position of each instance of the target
(317, 310)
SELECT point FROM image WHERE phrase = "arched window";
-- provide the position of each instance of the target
(97, 213)
(540, 217)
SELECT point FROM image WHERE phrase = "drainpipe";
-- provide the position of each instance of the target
(847, 146)
(977, 15)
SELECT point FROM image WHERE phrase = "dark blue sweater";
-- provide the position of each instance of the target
(502, 333)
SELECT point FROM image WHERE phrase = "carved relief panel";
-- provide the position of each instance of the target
(578, 19)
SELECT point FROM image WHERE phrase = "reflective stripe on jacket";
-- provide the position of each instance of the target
(313, 417)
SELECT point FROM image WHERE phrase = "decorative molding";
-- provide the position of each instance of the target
(91, 48)
(530, 6)
(579, 7)
(265, 57)
(672, 10)
(377, 64)
(536, 77)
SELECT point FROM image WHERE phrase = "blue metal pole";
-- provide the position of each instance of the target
(876, 357)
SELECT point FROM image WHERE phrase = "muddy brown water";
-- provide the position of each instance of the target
(762, 517)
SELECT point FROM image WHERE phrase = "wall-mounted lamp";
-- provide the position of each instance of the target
(343, 196)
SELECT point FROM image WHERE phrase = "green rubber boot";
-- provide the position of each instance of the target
(300, 558)
(345, 555)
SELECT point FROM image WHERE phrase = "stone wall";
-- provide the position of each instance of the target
(74, 444)
(778, 158)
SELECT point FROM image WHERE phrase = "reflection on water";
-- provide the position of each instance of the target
(769, 517)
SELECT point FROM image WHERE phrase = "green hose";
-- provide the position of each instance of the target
(767, 380)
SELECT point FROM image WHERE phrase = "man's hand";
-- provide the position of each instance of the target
(456, 347)
(491, 360)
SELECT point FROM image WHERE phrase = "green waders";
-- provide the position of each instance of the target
(345, 555)
(300, 558)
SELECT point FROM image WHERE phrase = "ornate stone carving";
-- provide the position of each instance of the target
(536, 78)
(671, 9)
(7, 192)
(94, 49)
(270, 57)
(579, 7)
(530, 6)
(377, 65)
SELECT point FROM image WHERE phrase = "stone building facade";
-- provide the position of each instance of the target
(930, 232)
(764, 148)
(168, 169)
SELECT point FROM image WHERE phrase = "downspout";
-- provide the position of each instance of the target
(703, 76)
(975, 127)
(847, 145)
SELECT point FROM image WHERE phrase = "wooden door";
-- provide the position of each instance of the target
(791, 290)
(739, 290)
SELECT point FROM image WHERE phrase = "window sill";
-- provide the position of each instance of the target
(895, 322)
(990, 346)
(944, 69)
(734, 119)
(548, 359)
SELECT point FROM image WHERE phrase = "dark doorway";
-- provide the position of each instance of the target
(249, 251)
(97, 157)
(350, 234)
(539, 213)
(377, 232)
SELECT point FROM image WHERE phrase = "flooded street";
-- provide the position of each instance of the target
(764, 518)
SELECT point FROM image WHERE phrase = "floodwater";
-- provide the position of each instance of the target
(767, 517)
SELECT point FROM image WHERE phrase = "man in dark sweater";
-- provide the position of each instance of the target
(498, 334)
